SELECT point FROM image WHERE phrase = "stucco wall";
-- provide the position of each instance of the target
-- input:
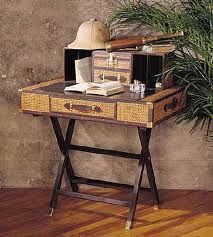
(32, 36)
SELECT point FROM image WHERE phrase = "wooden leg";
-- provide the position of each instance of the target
(138, 179)
(57, 186)
(152, 183)
(135, 194)
(150, 173)
(144, 135)
(69, 169)
(64, 145)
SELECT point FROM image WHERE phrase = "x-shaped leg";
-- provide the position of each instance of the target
(145, 160)
(64, 146)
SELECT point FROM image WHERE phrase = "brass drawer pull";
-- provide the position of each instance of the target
(83, 108)
(172, 105)
(119, 78)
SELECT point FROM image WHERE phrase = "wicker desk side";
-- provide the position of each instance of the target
(135, 113)
(35, 102)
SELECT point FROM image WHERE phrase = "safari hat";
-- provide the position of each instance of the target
(91, 35)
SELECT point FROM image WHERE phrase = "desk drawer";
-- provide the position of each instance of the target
(149, 113)
(110, 75)
(168, 106)
(83, 107)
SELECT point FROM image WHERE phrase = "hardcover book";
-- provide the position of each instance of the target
(105, 88)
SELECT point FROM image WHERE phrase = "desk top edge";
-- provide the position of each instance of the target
(126, 96)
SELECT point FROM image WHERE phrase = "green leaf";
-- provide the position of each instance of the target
(193, 64)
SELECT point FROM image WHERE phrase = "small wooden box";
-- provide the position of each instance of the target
(127, 66)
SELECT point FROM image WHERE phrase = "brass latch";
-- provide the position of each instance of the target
(82, 108)
(112, 61)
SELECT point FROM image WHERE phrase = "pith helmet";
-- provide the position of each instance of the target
(91, 35)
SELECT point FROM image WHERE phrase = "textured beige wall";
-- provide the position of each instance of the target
(32, 36)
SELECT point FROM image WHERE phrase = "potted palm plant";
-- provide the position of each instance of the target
(193, 66)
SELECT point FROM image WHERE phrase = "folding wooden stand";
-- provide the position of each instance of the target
(144, 160)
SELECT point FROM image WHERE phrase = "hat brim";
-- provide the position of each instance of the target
(86, 45)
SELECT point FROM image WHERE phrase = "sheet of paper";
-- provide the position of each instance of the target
(83, 70)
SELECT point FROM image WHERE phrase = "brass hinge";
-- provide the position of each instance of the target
(150, 125)
(112, 62)
(150, 105)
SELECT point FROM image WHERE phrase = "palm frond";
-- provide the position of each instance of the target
(193, 66)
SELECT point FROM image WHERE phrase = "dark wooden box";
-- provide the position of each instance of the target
(128, 66)
(70, 55)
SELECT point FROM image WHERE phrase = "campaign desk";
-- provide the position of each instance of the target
(128, 109)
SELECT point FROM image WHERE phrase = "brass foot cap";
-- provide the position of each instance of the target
(51, 212)
(156, 207)
(128, 225)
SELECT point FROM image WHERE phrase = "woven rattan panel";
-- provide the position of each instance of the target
(35, 102)
(160, 113)
(117, 65)
(134, 113)
(107, 110)
(125, 76)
